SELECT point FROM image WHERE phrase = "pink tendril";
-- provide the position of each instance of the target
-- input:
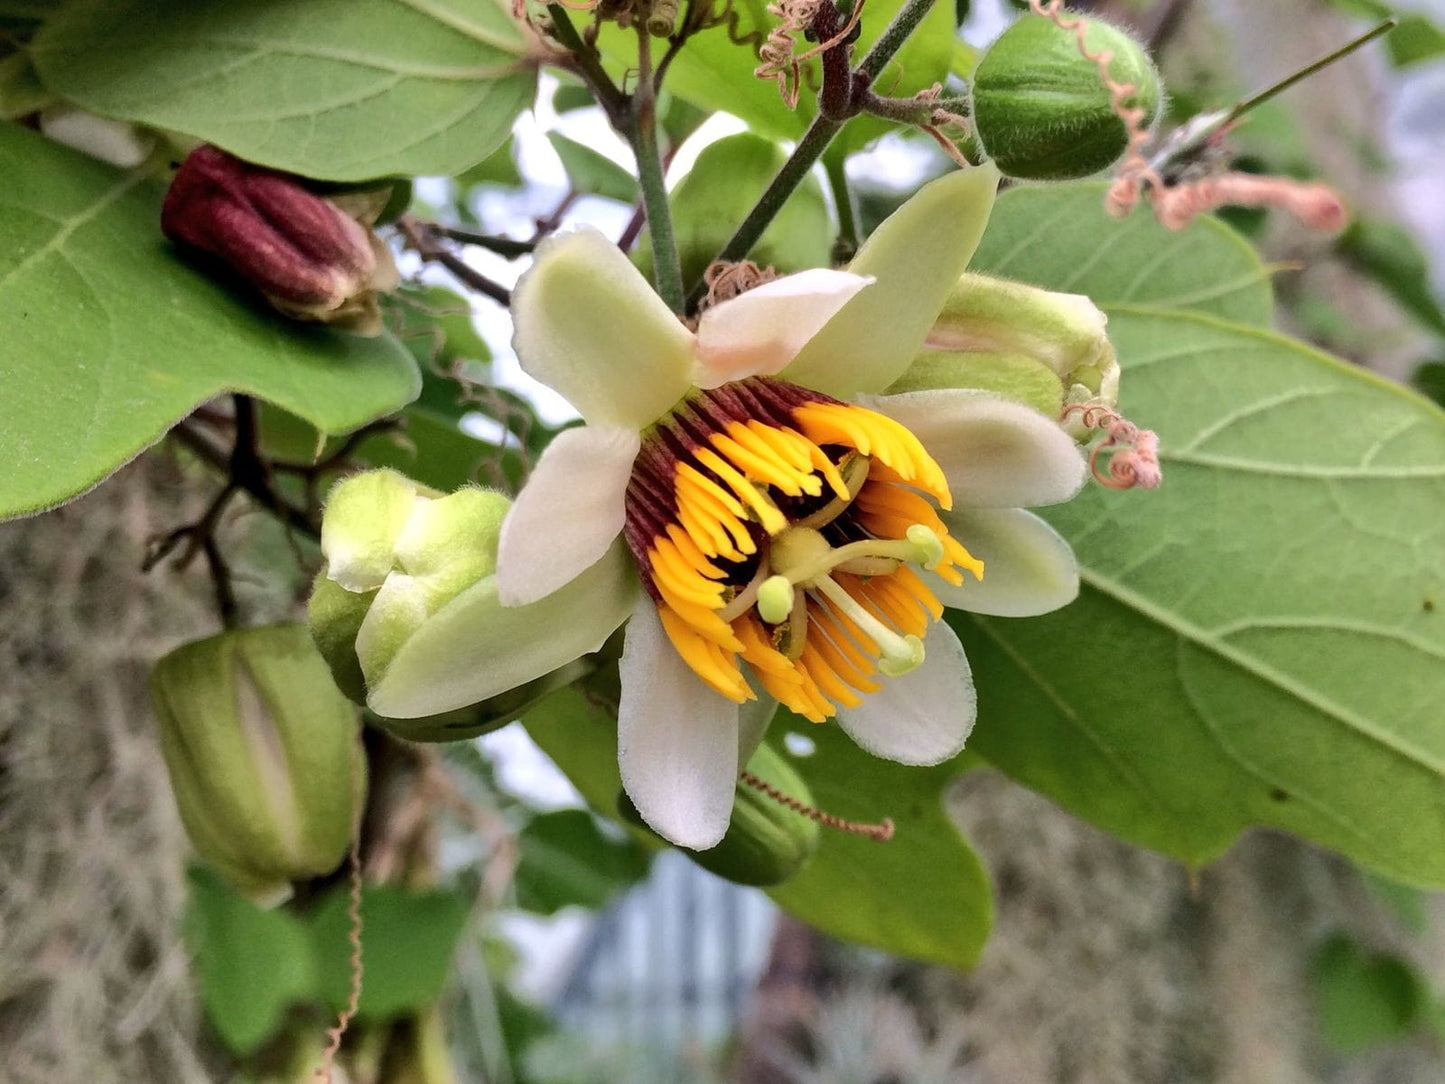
(1135, 173)
(1176, 205)
(1133, 452)
(1315, 204)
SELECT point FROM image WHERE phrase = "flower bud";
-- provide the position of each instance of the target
(396, 553)
(263, 753)
(766, 842)
(1042, 348)
(314, 258)
(1041, 108)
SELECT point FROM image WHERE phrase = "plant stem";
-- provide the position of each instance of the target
(819, 134)
(847, 242)
(423, 239)
(643, 132)
(589, 66)
(909, 16)
(502, 246)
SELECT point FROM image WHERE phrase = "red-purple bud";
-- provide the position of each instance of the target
(312, 260)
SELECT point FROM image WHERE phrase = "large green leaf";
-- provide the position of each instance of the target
(1058, 237)
(923, 894)
(251, 964)
(407, 939)
(717, 193)
(337, 89)
(1257, 642)
(564, 860)
(110, 338)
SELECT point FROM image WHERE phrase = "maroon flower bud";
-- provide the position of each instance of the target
(311, 259)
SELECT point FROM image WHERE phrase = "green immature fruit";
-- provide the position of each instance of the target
(766, 842)
(1041, 108)
(1044, 349)
(264, 755)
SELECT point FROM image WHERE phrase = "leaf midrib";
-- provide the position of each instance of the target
(1209, 642)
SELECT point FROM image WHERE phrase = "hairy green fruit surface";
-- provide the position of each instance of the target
(263, 752)
(766, 842)
(1041, 109)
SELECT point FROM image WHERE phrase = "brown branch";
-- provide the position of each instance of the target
(421, 238)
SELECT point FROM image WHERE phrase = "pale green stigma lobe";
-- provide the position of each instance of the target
(775, 599)
(898, 654)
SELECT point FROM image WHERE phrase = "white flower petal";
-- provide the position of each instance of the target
(916, 255)
(996, 453)
(753, 720)
(677, 739)
(567, 514)
(759, 332)
(923, 717)
(1028, 567)
(588, 325)
(474, 647)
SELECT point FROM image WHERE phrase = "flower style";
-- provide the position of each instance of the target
(795, 528)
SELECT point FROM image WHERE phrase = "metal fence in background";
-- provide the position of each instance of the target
(664, 975)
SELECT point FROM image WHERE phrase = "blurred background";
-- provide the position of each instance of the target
(1279, 964)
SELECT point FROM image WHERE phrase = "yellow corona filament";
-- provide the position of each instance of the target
(878, 436)
(822, 604)
(765, 510)
(718, 668)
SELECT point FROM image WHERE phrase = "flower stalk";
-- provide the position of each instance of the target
(642, 131)
(843, 103)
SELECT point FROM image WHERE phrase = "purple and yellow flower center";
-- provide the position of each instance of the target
(778, 527)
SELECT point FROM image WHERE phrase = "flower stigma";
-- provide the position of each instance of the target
(781, 528)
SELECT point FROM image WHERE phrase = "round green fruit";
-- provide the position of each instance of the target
(1041, 109)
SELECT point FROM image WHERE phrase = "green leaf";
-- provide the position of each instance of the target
(408, 939)
(715, 70)
(565, 860)
(1364, 1000)
(717, 193)
(1429, 379)
(498, 168)
(592, 172)
(1393, 258)
(433, 450)
(1258, 641)
(251, 964)
(852, 887)
(1058, 237)
(570, 97)
(923, 894)
(110, 338)
(1416, 39)
(335, 89)
(436, 325)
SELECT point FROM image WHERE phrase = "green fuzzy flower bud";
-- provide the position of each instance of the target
(1042, 348)
(766, 842)
(1041, 108)
(263, 754)
(397, 553)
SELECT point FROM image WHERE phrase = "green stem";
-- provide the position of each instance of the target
(908, 19)
(819, 134)
(815, 140)
(589, 66)
(667, 266)
(847, 243)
